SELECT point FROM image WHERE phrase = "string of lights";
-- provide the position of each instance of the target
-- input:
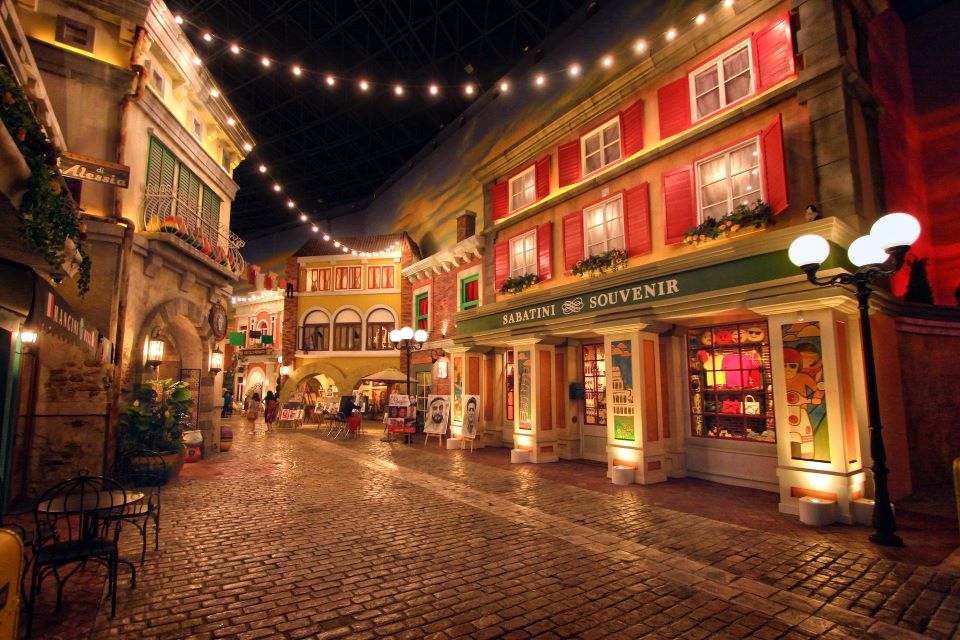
(432, 89)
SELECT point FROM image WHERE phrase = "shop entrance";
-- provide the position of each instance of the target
(593, 435)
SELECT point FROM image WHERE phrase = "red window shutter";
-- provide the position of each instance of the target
(545, 251)
(774, 166)
(500, 200)
(774, 52)
(631, 128)
(568, 163)
(679, 203)
(673, 102)
(501, 263)
(542, 171)
(572, 241)
(637, 204)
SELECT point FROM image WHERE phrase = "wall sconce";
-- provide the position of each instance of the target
(28, 336)
(285, 370)
(216, 360)
(155, 348)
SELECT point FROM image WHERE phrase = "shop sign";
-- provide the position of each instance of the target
(60, 319)
(80, 167)
(647, 292)
(257, 352)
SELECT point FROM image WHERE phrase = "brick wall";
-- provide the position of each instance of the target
(289, 339)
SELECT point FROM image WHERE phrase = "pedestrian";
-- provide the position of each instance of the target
(271, 407)
(227, 404)
(253, 412)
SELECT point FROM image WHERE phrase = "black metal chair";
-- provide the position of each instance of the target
(143, 472)
(77, 514)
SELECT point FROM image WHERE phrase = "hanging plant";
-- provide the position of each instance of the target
(757, 215)
(49, 217)
(516, 284)
(613, 260)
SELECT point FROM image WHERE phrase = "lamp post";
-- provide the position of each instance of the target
(408, 340)
(877, 255)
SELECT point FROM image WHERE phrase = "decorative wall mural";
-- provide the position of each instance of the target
(806, 402)
(524, 375)
(458, 390)
(621, 387)
(623, 428)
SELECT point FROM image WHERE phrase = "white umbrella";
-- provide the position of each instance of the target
(387, 375)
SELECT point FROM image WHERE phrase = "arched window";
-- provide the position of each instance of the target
(347, 332)
(380, 323)
(315, 333)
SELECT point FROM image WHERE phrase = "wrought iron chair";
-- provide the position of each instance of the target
(76, 513)
(143, 472)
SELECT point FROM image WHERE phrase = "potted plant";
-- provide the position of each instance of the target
(613, 260)
(155, 421)
(517, 284)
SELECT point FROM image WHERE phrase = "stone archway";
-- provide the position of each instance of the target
(184, 323)
(310, 370)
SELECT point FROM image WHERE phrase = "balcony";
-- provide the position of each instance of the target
(165, 213)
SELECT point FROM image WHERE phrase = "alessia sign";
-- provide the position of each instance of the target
(73, 165)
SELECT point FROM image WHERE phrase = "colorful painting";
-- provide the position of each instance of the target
(621, 378)
(458, 390)
(806, 402)
(623, 428)
(438, 415)
(525, 375)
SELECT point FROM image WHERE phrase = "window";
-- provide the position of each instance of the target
(225, 160)
(315, 332)
(523, 254)
(721, 82)
(156, 80)
(380, 323)
(594, 385)
(603, 227)
(523, 189)
(508, 370)
(349, 278)
(197, 128)
(731, 393)
(728, 179)
(421, 311)
(317, 280)
(470, 292)
(75, 34)
(166, 176)
(601, 146)
(347, 334)
(380, 277)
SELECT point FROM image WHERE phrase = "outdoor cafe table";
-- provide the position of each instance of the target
(91, 504)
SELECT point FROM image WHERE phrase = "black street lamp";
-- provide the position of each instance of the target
(408, 340)
(877, 255)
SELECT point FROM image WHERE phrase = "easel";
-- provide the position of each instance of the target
(463, 441)
(426, 438)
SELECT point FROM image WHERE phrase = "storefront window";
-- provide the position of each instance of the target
(595, 385)
(380, 323)
(731, 393)
(508, 385)
(316, 326)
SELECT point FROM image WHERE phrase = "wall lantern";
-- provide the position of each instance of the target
(285, 370)
(216, 360)
(28, 336)
(155, 349)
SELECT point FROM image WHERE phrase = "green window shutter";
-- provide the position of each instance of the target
(211, 208)
(188, 191)
(161, 165)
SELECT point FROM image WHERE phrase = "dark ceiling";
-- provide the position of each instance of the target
(332, 148)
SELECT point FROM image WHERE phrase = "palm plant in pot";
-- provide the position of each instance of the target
(155, 422)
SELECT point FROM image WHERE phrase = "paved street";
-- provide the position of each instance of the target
(294, 536)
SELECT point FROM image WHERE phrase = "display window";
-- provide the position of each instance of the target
(508, 373)
(594, 385)
(730, 386)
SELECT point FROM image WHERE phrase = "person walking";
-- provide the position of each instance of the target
(227, 404)
(253, 412)
(272, 407)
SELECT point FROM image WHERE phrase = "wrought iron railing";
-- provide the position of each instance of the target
(164, 211)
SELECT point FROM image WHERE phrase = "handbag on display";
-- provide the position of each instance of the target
(731, 406)
(751, 406)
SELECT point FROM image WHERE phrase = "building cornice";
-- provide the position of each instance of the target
(446, 260)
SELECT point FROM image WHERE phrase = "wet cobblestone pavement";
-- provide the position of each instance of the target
(292, 535)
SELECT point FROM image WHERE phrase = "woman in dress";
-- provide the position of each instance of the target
(271, 409)
(253, 412)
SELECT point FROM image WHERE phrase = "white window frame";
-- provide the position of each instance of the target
(718, 63)
(531, 171)
(728, 151)
(599, 130)
(519, 270)
(606, 241)
(158, 80)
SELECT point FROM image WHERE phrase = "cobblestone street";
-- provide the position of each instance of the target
(291, 535)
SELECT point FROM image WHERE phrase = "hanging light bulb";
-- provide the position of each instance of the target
(291, 204)
(326, 238)
(540, 79)
(700, 18)
(263, 168)
(303, 217)
(345, 250)
(336, 243)
(354, 252)
(196, 61)
(265, 61)
(728, 3)
(276, 187)
(574, 70)
(364, 85)
(469, 89)
(640, 46)
(671, 33)
(234, 49)
(434, 89)
(296, 70)
(607, 61)
(398, 90)
(330, 80)
(504, 86)
(178, 19)
(208, 37)
(314, 228)
(214, 93)
(231, 122)
(247, 147)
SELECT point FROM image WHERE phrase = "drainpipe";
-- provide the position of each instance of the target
(137, 87)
